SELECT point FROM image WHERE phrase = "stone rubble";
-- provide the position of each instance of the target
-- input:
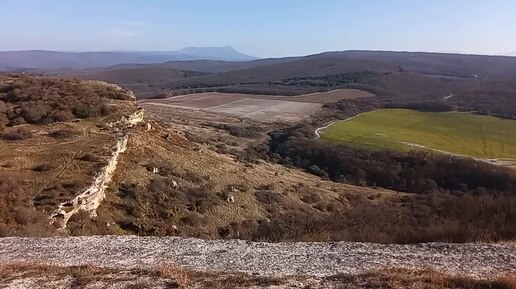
(270, 259)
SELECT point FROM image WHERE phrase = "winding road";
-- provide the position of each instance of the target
(319, 130)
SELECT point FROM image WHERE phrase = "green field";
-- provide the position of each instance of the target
(459, 133)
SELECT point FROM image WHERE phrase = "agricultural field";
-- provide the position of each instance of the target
(258, 107)
(466, 134)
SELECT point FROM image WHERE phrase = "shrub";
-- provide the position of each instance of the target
(268, 197)
(3, 107)
(34, 112)
(3, 122)
(413, 172)
(192, 219)
(63, 116)
(18, 134)
(17, 120)
(89, 157)
(4, 231)
(64, 133)
(86, 111)
(250, 131)
(314, 169)
(25, 216)
(44, 168)
(45, 100)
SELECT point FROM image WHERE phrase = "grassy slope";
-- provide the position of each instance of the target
(460, 133)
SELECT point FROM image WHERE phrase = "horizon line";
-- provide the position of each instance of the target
(507, 54)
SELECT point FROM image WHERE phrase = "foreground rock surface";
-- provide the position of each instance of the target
(271, 259)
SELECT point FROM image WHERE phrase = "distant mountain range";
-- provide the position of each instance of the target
(43, 59)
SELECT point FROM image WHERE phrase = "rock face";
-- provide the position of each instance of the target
(272, 259)
(89, 200)
(136, 117)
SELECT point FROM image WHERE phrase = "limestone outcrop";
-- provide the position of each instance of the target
(90, 199)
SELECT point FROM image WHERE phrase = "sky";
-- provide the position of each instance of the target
(263, 28)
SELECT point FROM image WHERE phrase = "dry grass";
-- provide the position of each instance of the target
(277, 203)
(170, 276)
(203, 178)
(46, 171)
(221, 280)
(417, 279)
(40, 163)
(163, 276)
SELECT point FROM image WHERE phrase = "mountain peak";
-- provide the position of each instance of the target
(220, 48)
(220, 53)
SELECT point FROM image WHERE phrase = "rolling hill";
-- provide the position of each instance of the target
(254, 72)
(49, 60)
(139, 80)
(405, 74)
(448, 66)
(211, 66)
(458, 65)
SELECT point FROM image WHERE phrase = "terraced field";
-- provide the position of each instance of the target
(465, 134)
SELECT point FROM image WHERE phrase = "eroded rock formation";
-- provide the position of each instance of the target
(90, 199)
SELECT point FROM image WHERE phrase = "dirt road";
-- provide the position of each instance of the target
(319, 130)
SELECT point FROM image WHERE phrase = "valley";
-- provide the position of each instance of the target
(338, 144)
(324, 157)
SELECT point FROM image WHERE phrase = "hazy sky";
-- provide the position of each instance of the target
(266, 28)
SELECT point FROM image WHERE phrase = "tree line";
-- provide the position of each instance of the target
(413, 172)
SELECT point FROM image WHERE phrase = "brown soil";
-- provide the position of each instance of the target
(259, 107)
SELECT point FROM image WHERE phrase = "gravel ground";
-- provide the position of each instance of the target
(273, 259)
